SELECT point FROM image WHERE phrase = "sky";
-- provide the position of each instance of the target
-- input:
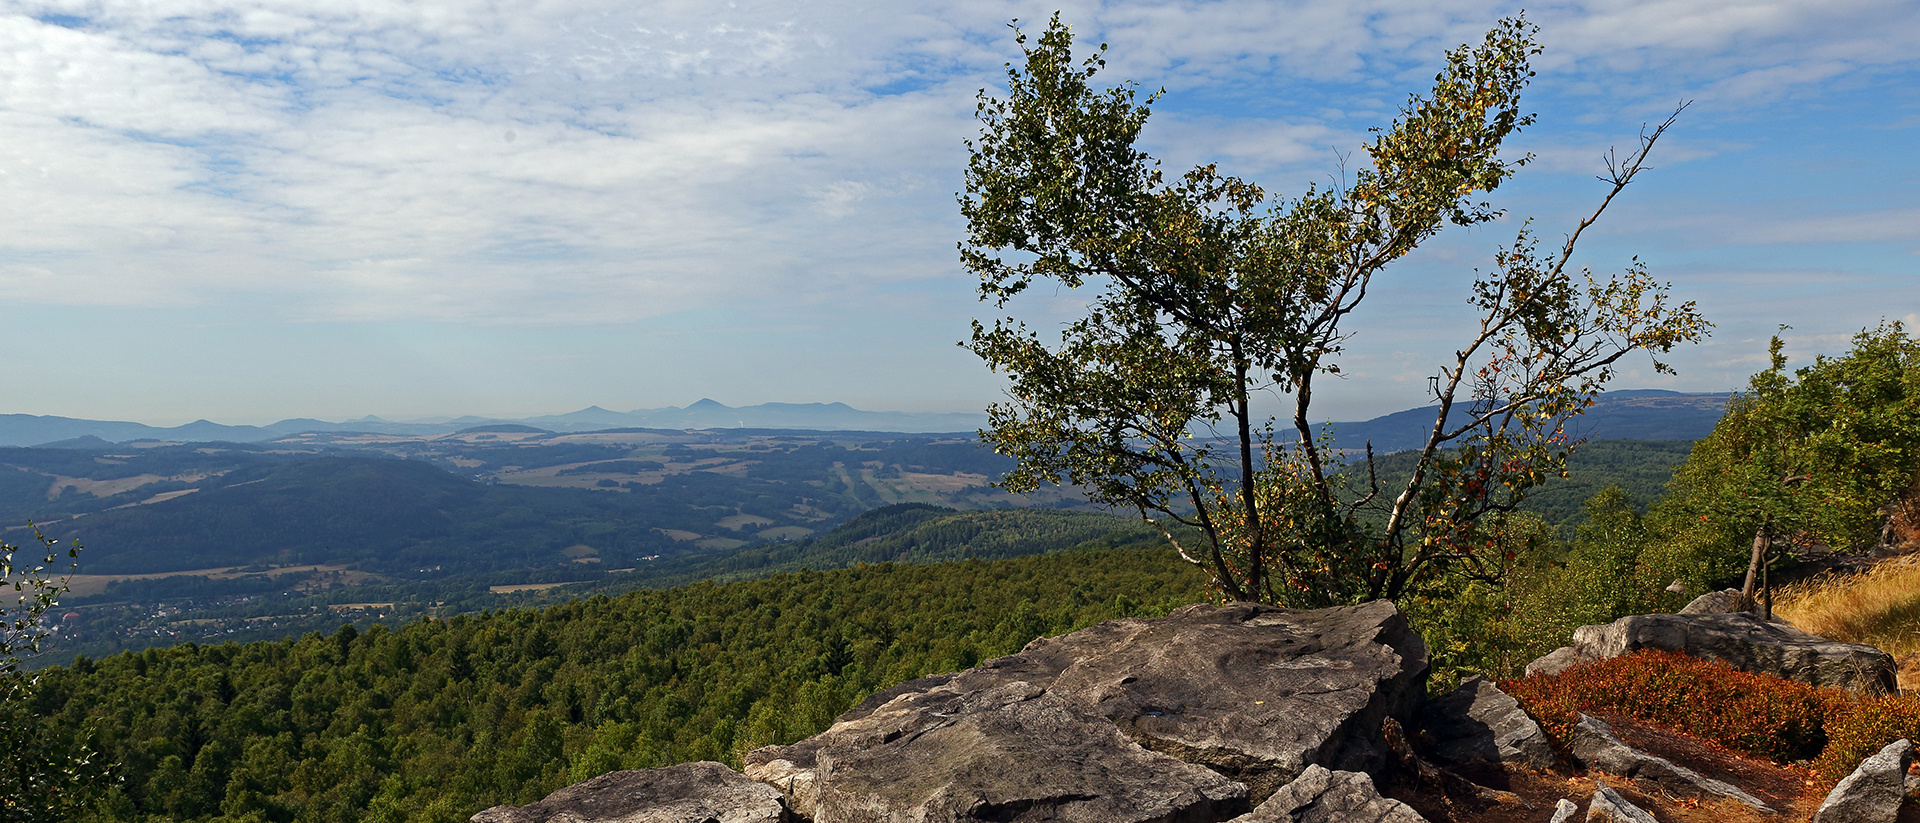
(252, 211)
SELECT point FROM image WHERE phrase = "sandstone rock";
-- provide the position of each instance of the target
(1320, 795)
(1596, 747)
(688, 793)
(1555, 662)
(1256, 693)
(1607, 806)
(1012, 751)
(1747, 643)
(1873, 793)
(1478, 721)
(1563, 811)
(1725, 601)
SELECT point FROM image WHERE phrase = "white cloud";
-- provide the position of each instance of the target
(352, 157)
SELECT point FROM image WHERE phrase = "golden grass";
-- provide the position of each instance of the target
(1879, 607)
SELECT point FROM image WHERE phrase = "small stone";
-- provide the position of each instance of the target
(1564, 811)
(1875, 790)
(1608, 806)
(1725, 601)
(1320, 795)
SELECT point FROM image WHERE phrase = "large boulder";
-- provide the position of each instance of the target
(1596, 747)
(1320, 795)
(1009, 752)
(704, 792)
(1747, 643)
(1256, 693)
(1478, 721)
(1873, 793)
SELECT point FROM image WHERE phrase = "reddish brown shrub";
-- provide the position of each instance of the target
(1859, 726)
(1745, 712)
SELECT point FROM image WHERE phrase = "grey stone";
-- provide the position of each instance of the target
(1596, 747)
(1010, 752)
(1478, 721)
(1555, 662)
(1564, 811)
(1747, 643)
(704, 792)
(1256, 693)
(1607, 806)
(1320, 795)
(1725, 601)
(1873, 793)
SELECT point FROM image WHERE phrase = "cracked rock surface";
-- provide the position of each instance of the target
(704, 792)
(1254, 693)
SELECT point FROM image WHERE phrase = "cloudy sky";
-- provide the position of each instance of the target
(250, 211)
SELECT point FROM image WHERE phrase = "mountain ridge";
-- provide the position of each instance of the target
(1627, 414)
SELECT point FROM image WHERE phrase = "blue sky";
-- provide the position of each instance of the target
(251, 211)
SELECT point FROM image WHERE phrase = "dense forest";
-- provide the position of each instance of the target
(437, 719)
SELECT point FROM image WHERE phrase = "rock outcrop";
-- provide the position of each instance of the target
(1596, 747)
(1255, 693)
(1320, 795)
(1741, 640)
(1478, 721)
(705, 792)
(1012, 751)
(1873, 793)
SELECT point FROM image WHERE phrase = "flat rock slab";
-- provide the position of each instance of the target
(1013, 752)
(705, 792)
(1747, 643)
(1478, 721)
(1254, 692)
(1873, 793)
(1596, 747)
(1320, 795)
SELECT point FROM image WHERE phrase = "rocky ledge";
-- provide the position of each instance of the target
(1220, 714)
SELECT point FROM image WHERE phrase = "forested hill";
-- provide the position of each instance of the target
(436, 719)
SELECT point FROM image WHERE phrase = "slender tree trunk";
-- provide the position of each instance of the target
(1761, 543)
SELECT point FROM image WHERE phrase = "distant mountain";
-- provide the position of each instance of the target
(1631, 414)
(32, 430)
(1634, 414)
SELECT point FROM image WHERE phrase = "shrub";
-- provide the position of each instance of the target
(1748, 713)
(1859, 726)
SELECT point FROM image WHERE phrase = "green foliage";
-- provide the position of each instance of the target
(1206, 293)
(1811, 456)
(437, 719)
(45, 774)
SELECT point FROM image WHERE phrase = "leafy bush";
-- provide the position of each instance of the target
(1857, 727)
(1749, 713)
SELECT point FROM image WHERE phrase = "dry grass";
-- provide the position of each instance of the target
(1879, 607)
